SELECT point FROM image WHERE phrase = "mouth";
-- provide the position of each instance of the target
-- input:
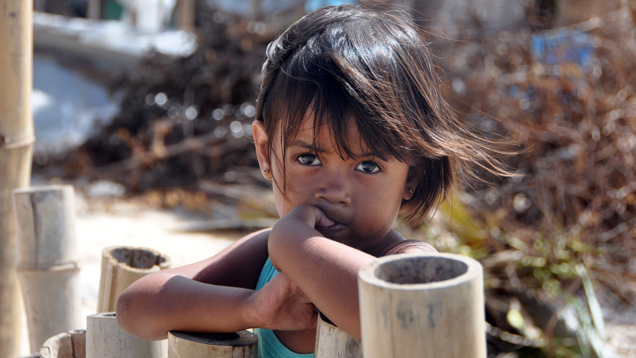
(332, 229)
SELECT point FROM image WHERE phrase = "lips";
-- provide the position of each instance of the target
(328, 226)
(331, 230)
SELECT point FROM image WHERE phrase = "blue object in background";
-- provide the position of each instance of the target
(563, 47)
(313, 5)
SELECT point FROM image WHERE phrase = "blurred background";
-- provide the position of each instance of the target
(145, 107)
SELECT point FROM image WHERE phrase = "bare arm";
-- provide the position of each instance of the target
(162, 302)
(214, 295)
(325, 270)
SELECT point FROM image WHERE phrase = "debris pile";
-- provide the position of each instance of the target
(181, 120)
(569, 97)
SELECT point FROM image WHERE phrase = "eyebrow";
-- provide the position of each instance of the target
(302, 144)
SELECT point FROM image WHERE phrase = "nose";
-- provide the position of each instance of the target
(334, 190)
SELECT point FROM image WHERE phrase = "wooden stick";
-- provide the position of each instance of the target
(123, 265)
(52, 300)
(219, 147)
(94, 9)
(186, 9)
(16, 140)
(331, 341)
(70, 344)
(422, 306)
(242, 344)
(104, 339)
(45, 226)
(225, 224)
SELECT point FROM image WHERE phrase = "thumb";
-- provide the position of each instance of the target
(324, 221)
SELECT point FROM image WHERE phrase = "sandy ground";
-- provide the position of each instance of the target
(102, 223)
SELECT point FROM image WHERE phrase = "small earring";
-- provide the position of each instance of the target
(411, 191)
(266, 171)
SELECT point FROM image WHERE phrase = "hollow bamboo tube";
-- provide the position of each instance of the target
(104, 339)
(45, 226)
(16, 139)
(70, 344)
(332, 341)
(123, 265)
(422, 306)
(52, 301)
(46, 248)
(242, 344)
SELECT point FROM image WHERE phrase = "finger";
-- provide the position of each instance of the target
(324, 221)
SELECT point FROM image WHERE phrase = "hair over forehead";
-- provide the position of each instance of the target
(345, 64)
(370, 66)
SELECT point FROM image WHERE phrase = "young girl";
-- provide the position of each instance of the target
(351, 128)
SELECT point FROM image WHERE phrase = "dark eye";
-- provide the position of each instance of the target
(368, 167)
(309, 159)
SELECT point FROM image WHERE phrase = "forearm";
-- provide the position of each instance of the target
(325, 270)
(157, 303)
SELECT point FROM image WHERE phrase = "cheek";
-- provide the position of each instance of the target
(297, 192)
(281, 206)
(380, 206)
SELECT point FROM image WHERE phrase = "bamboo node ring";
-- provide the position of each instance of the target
(4, 145)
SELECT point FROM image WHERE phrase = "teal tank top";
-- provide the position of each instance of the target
(268, 345)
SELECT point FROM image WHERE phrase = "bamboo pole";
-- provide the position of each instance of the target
(186, 14)
(422, 306)
(45, 226)
(16, 139)
(242, 344)
(94, 9)
(104, 339)
(331, 342)
(123, 265)
(70, 344)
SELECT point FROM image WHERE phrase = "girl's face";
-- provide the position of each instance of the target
(362, 195)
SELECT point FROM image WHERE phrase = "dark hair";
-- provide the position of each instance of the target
(371, 66)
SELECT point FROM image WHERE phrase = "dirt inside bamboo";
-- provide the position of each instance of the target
(417, 270)
(138, 258)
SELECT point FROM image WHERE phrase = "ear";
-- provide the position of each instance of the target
(412, 179)
(260, 141)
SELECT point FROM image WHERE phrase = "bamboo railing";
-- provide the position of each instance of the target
(410, 306)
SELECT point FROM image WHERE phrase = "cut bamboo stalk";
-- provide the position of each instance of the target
(104, 339)
(123, 265)
(70, 344)
(332, 341)
(16, 140)
(52, 300)
(45, 226)
(242, 344)
(46, 248)
(422, 306)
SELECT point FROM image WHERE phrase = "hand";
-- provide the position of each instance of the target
(281, 305)
(309, 215)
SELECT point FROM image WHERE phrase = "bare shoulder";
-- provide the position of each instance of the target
(238, 265)
(410, 247)
(419, 247)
